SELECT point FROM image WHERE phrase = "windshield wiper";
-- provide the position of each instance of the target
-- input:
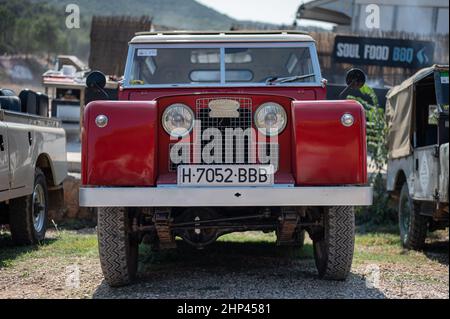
(276, 79)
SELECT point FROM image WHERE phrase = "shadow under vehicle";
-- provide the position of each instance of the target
(418, 168)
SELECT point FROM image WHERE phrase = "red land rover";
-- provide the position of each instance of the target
(223, 132)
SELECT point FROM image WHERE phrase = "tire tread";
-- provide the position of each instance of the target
(114, 245)
(20, 216)
(340, 239)
(418, 229)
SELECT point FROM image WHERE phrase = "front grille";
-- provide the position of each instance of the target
(232, 152)
(237, 154)
(244, 120)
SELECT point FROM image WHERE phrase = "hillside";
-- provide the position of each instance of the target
(179, 14)
(37, 27)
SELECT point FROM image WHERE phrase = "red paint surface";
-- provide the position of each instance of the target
(295, 93)
(124, 152)
(324, 151)
(284, 139)
(133, 150)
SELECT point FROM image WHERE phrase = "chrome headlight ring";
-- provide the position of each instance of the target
(270, 119)
(178, 120)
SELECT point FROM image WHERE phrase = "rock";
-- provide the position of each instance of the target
(71, 210)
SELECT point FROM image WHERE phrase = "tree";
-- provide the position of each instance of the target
(24, 41)
(6, 28)
(379, 212)
(47, 35)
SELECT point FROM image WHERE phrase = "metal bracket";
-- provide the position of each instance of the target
(437, 153)
(162, 221)
(2, 144)
(287, 226)
(436, 195)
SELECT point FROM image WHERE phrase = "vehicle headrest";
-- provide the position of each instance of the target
(7, 92)
(34, 102)
(10, 103)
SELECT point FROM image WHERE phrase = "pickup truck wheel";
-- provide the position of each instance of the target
(333, 250)
(118, 249)
(413, 226)
(28, 214)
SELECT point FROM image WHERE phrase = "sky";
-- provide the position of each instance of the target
(272, 11)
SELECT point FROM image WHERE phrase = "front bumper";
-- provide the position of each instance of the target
(173, 196)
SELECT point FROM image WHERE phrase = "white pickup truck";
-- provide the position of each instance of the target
(32, 164)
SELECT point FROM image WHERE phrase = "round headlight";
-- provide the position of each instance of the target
(270, 119)
(178, 120)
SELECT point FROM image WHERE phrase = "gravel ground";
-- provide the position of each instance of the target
(227, 270)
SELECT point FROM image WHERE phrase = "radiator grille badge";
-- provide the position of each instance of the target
(224, 108)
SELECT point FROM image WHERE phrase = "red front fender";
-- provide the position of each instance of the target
(124, 152)
(325, 152)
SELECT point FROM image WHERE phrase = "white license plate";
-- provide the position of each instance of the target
(225, 175)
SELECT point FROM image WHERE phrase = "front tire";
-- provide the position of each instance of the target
(118, 248)
(413, 226)
(28, 214)
(333, 248)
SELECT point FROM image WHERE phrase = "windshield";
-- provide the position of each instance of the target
(197, 66)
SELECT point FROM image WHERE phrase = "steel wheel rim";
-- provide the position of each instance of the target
(39, 205)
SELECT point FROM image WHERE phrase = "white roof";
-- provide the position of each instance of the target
(218, 36)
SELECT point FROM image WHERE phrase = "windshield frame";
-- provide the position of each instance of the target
(222, 46)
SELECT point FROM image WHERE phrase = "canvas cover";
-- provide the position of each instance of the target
(399, 113)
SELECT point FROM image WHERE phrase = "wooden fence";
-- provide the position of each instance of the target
(109, 41)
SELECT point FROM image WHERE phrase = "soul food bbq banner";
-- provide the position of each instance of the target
(383, 52)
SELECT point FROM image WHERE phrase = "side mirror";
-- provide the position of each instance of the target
(96, 79)
(355, 78)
